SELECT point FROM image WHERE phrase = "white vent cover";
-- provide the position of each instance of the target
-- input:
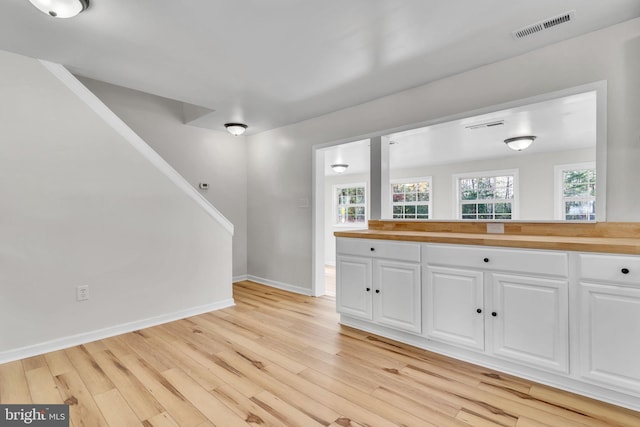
(544, 25)
(485, 125)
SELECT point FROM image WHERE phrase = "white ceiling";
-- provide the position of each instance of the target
(270, 63)
(561, 124)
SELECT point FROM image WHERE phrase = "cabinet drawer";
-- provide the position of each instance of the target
(514, 260)
(610, 268)
(403, 251)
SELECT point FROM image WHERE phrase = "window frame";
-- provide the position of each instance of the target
(515, 202)
(428, 180)
(365, 205)
(558, 189)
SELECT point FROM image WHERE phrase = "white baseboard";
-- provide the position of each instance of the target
(86, 337)
(240, 278)
(280, 285)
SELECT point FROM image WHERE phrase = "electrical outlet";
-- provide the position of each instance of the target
(82, 293)
(495, 227)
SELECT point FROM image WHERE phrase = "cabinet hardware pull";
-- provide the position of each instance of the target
(373, 249)
(625, 271)
(377, 291)
(486, 260)
(368, 289)
(494, 314)
(479, 311)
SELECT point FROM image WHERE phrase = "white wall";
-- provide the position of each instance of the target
(536, 181)
(81, 206)
(279, 166)
(200, 155)
(329, 214)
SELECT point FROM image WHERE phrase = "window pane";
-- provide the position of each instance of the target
(484, 208)
(410, 197)
(467, 189)
(398, 197)
(468, 208)
(502, 208)
(485, 188)
(410, 209)
(422, 209)
(580, 210)
(397, 210)
(469, 195)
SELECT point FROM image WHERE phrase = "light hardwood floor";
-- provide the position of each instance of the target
(330, 280)
(281, 359)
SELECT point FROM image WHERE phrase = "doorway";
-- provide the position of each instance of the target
(341, 203)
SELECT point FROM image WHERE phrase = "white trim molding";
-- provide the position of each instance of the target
(86, 337)
(281, 285)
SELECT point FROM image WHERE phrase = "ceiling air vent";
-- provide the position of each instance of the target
(485, 125)
(544, 25)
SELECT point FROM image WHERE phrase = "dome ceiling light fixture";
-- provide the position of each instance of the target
(61, 8)
(236, 129)
(520, 143)
(339, 167)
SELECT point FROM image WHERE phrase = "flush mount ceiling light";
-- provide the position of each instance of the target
(339, 167)
(519, 143)
(236, 129)
(61, 8)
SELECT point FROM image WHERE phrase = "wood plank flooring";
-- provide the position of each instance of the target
(281, 359)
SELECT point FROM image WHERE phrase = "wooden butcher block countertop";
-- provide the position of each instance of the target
(607, 237)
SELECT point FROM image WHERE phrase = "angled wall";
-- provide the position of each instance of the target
(199, 155)
(83, 205)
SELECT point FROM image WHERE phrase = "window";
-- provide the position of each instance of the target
(411, 198)
(487, 195)
(576, 187)
(350, 204)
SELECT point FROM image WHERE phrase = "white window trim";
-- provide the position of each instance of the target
(427, 179)
(335, 204)
(515, 204)
(558, 186)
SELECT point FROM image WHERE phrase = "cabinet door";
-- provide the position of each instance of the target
(454, 306)
(529, 320)
(397, 295)
(353, 286)
(609, 325)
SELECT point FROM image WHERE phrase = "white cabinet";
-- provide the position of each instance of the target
(519, 310)
(529, 320)
(453, 302)
(397, 295)
(376, 282)
(517, 315)
(353, 296)
(609, 321)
